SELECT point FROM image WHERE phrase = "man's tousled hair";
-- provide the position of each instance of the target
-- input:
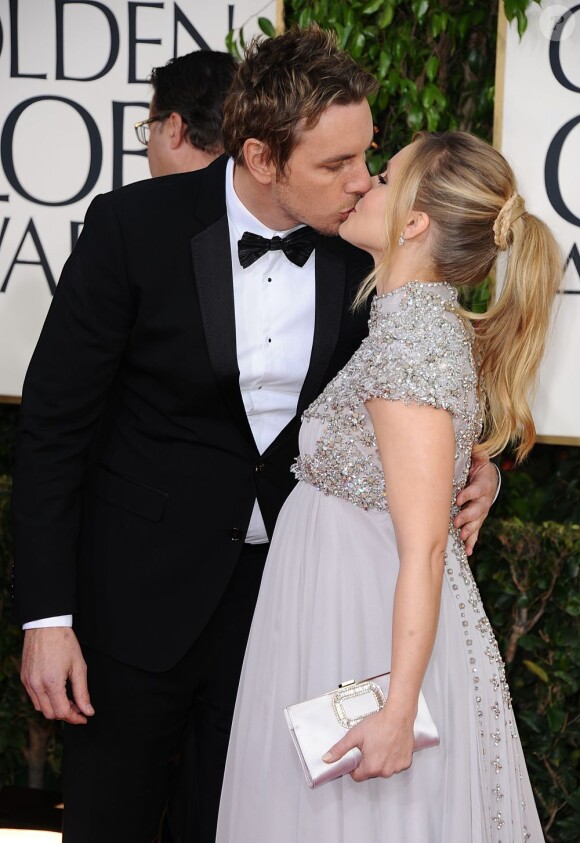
(284, 85)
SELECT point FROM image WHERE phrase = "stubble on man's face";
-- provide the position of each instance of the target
(326, 173)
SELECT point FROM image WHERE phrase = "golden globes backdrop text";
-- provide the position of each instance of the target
(73, 81)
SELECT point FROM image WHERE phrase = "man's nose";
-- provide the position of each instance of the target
(361, 181)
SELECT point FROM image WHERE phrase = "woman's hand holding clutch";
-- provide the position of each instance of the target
(386, 741)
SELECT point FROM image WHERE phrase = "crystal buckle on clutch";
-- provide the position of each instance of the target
(348, 696)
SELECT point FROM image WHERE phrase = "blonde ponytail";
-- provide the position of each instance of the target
(511, 335)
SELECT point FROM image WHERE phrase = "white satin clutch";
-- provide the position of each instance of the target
(317, 724)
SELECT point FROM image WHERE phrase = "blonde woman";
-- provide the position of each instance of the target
(365, 573)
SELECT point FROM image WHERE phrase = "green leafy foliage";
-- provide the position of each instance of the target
(546, 487)
(517, 9)
(529, 578)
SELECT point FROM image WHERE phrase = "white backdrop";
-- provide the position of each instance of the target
(72, 83)
(538, 129)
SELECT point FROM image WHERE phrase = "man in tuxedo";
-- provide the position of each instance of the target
(159, 422)
(184, 129)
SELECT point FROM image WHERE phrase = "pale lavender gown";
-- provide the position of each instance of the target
(324, 615)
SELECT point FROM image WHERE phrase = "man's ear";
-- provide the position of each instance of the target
(257, 161)
(418, 223)
(176, 130)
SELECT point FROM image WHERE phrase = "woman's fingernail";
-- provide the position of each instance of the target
(327, 757)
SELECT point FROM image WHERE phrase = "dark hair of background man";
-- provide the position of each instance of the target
(195, 86)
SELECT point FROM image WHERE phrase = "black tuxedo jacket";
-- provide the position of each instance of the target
(136, 470)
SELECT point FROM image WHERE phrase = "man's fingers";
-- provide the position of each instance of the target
(470, 493)
(47, 698)
(73, 715)
(59, 707)
(50, 656)
(469, 534)
(470, 542)
(31, 693)
(40, 701)
(80, 690)
(474, 513)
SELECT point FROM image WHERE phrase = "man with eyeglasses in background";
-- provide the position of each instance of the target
(183, 131)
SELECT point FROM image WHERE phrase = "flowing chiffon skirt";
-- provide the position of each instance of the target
(324, 615)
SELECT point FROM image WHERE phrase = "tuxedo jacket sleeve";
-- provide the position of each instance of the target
(136, 471)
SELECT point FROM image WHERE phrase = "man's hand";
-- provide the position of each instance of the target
(50, 657)
(475, 501)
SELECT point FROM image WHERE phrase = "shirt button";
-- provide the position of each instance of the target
(236, 534)
(260, 466)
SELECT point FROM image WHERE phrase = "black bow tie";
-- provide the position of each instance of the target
(297, 246)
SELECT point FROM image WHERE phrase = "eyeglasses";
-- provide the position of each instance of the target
(143, 130)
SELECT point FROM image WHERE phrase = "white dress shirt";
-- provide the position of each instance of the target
(274, 303)
(274, 307)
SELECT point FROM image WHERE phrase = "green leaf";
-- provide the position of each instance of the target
(537, 670)
(384, 64)
(431, 68)
(510, 7)
(415, 118)
(435, 24)
(351, 16)
(372, 7)
(522, 22)
(463, 25)
(387, 16)
(343, 34)
(420, 8)
(556, 719)
(433, 95)
(433, 118)
(383, 99)
(357, 46)
(573, 607)
(267, 27)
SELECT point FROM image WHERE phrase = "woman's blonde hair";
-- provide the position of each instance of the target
(468, 190)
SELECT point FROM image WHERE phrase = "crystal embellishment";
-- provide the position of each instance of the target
(375, 701)
(418, 351)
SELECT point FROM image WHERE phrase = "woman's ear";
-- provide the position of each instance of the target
(258, 162)
(417, 223)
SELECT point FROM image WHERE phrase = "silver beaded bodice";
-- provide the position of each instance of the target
(418, 350)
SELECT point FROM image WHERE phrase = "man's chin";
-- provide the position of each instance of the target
(329, 229)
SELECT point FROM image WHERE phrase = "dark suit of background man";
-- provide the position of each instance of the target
(159, 422)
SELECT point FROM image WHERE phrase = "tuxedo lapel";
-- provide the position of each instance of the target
(212, 266)
(330, 284)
